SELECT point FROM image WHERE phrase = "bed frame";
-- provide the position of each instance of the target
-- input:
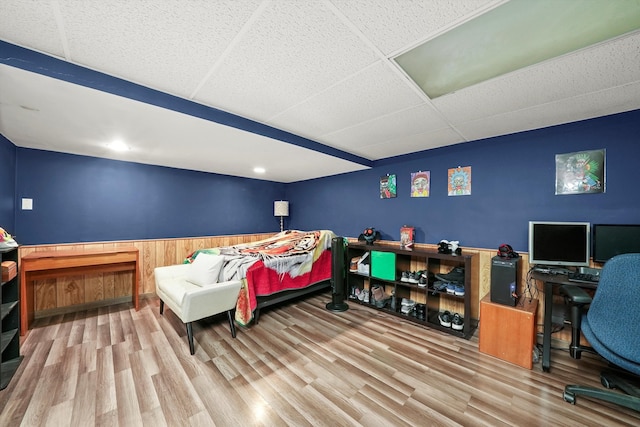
(287, 295)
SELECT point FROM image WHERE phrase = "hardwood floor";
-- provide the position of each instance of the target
(301, 366)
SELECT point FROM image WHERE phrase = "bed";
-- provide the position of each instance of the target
(288, 265)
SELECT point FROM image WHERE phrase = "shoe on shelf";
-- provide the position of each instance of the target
(451, 288)
(406, 309)
(439, 286)
(413, 278)
(455, 275)
(377, 293)
(459, 291)
(423, 281)
(445, 319)
(405, 276)
(365, 299)
(457, 322)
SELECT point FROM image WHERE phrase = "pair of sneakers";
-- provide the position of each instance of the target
(456, 289)
(362, 295)
(453, 321)
(407, 305)
(410, 276)
(418, 277)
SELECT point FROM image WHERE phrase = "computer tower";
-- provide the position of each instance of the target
(504, 280)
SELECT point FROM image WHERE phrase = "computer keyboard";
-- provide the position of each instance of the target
(583, 277)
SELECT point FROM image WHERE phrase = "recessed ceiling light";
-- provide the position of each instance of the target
(259, 169)
(118, 145)
(514, 35)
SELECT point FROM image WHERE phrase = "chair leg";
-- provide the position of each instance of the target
(232, 324)
(190, 337)
(161, 307)
(572, 391)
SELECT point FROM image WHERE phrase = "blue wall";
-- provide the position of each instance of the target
(7, 185)
(513, 182)
(81, 199)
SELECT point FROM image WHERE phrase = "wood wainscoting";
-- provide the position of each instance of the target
(67, 294)
(57, 296)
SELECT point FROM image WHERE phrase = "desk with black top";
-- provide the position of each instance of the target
(551, 280)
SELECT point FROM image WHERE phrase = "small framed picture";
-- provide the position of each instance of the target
(420, 183)
(582, 172)
(459, 181)
(388, 186)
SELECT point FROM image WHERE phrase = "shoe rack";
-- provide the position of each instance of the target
(9, 312)
(430, 302)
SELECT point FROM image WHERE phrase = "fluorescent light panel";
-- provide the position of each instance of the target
(515, 35)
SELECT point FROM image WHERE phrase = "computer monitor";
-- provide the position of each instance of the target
(555, 243)
(610, 240)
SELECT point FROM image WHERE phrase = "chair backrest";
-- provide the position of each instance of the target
(614, 314)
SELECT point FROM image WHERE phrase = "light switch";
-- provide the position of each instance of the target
(27, 204)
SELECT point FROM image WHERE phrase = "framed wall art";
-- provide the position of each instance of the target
(582, 172)
(420, 184)
(459, 182)
(388, 186)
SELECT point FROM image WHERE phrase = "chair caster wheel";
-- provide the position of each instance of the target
(569, 397)
(605, 382)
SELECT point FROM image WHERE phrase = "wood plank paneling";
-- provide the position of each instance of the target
(153, 253)
(93, 288)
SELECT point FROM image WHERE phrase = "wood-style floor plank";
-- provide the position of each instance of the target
(300, 366)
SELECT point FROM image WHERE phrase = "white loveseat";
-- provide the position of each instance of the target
(193, 292)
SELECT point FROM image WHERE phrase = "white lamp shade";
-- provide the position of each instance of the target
(281, 208)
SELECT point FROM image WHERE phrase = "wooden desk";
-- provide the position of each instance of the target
(507, 332)
(53, 264)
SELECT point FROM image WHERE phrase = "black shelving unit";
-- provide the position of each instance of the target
(434, 300)
(10, 315)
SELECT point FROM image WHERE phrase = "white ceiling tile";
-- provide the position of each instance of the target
(399, 124)
(590, 70)
(411, 144)
(156, 135)
(375, 92)
(314, 68)
(150, 42)
(285, 58)
(392, 25)
(30, 24)
(602, 103)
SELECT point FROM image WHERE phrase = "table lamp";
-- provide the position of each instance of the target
(281, 209)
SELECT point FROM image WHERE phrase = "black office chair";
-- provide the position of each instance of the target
(612, 327)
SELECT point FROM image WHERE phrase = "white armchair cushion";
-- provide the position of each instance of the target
(205, 269)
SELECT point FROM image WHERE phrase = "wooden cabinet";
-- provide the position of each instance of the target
(508, 333)
(429, 301)
(10, 314)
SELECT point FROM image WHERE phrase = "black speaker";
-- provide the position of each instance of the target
(504, 280)
(338, 275)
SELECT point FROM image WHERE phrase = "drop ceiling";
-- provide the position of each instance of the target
(304, 89)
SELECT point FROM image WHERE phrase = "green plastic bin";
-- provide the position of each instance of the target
(383, 265)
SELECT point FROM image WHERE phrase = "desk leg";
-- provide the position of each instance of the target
(546, 335)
